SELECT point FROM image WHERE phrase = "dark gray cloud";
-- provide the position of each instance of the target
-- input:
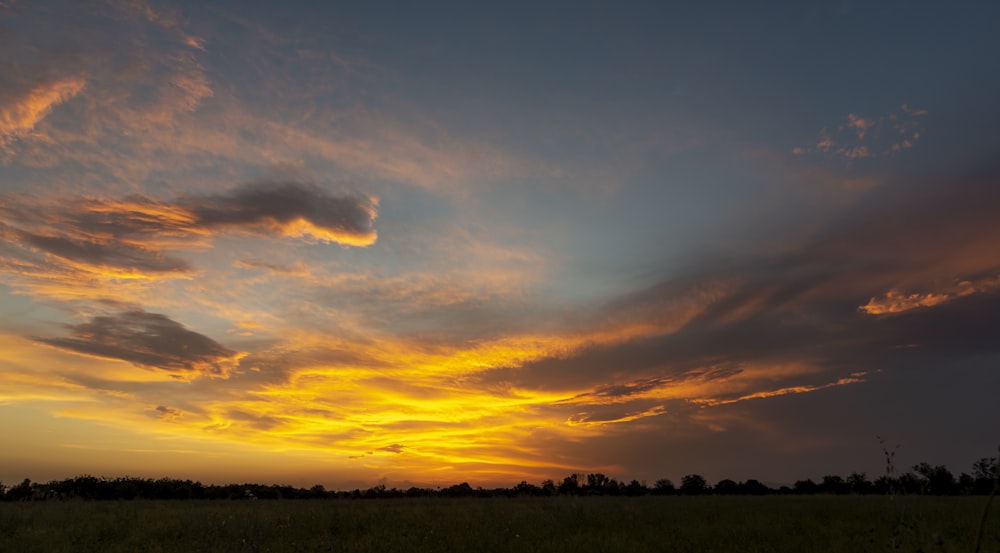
(393, 448)
(168, 413)
(148, 340)
(265, 206)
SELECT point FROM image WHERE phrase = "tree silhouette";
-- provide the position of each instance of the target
(833, 484)
(857, 483)
(693, 484)
(635, 488)
(754, 487)
(984, 473)
(935, 480)
(664, 486)
(923, 479)
(726, 487)
(570, 485)
(20, 492)
(524, 488)
(549, 487)
(806, 486)
(597, 481)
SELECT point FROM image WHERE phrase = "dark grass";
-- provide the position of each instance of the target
(570, 524)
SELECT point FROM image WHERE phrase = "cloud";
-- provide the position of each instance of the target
(895, 301)
(683, 384)
(765, 326)
(168, 413)
(586, 419)
(161, 105)
(127, 68)
(629, 389)
(853, 379)
(866, 137)
(20, 116)
(149, 340)
(252, 420)
(82, 242)
(299, 269)
(126, 260)
(142, 9)
(394, 448)
(288, 209)
(745, 331)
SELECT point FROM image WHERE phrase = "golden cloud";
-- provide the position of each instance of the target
(896, 301)
(21, 116)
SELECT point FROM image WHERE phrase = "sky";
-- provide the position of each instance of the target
(429, 243)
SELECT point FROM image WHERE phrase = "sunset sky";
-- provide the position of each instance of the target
(424, 243)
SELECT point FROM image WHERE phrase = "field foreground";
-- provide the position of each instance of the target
(570, 524)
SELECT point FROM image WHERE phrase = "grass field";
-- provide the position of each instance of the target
(557, 524)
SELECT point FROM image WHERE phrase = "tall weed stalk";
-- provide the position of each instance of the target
(989, 501)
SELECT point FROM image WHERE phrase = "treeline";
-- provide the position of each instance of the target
(923, 479)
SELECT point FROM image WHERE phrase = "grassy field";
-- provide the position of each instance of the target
(570, 524)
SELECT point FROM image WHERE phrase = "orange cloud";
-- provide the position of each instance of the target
(860, 124)
(865, 137)
(711, 402)
(371, 401)
(585, 419)
(20, 117)
(895, 301)
(83, 244)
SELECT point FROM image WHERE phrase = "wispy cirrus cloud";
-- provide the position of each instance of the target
(20, 116)
(113, 84)
(160, 105)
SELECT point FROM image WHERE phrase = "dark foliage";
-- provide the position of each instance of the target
(924, 479)
(694, 484)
